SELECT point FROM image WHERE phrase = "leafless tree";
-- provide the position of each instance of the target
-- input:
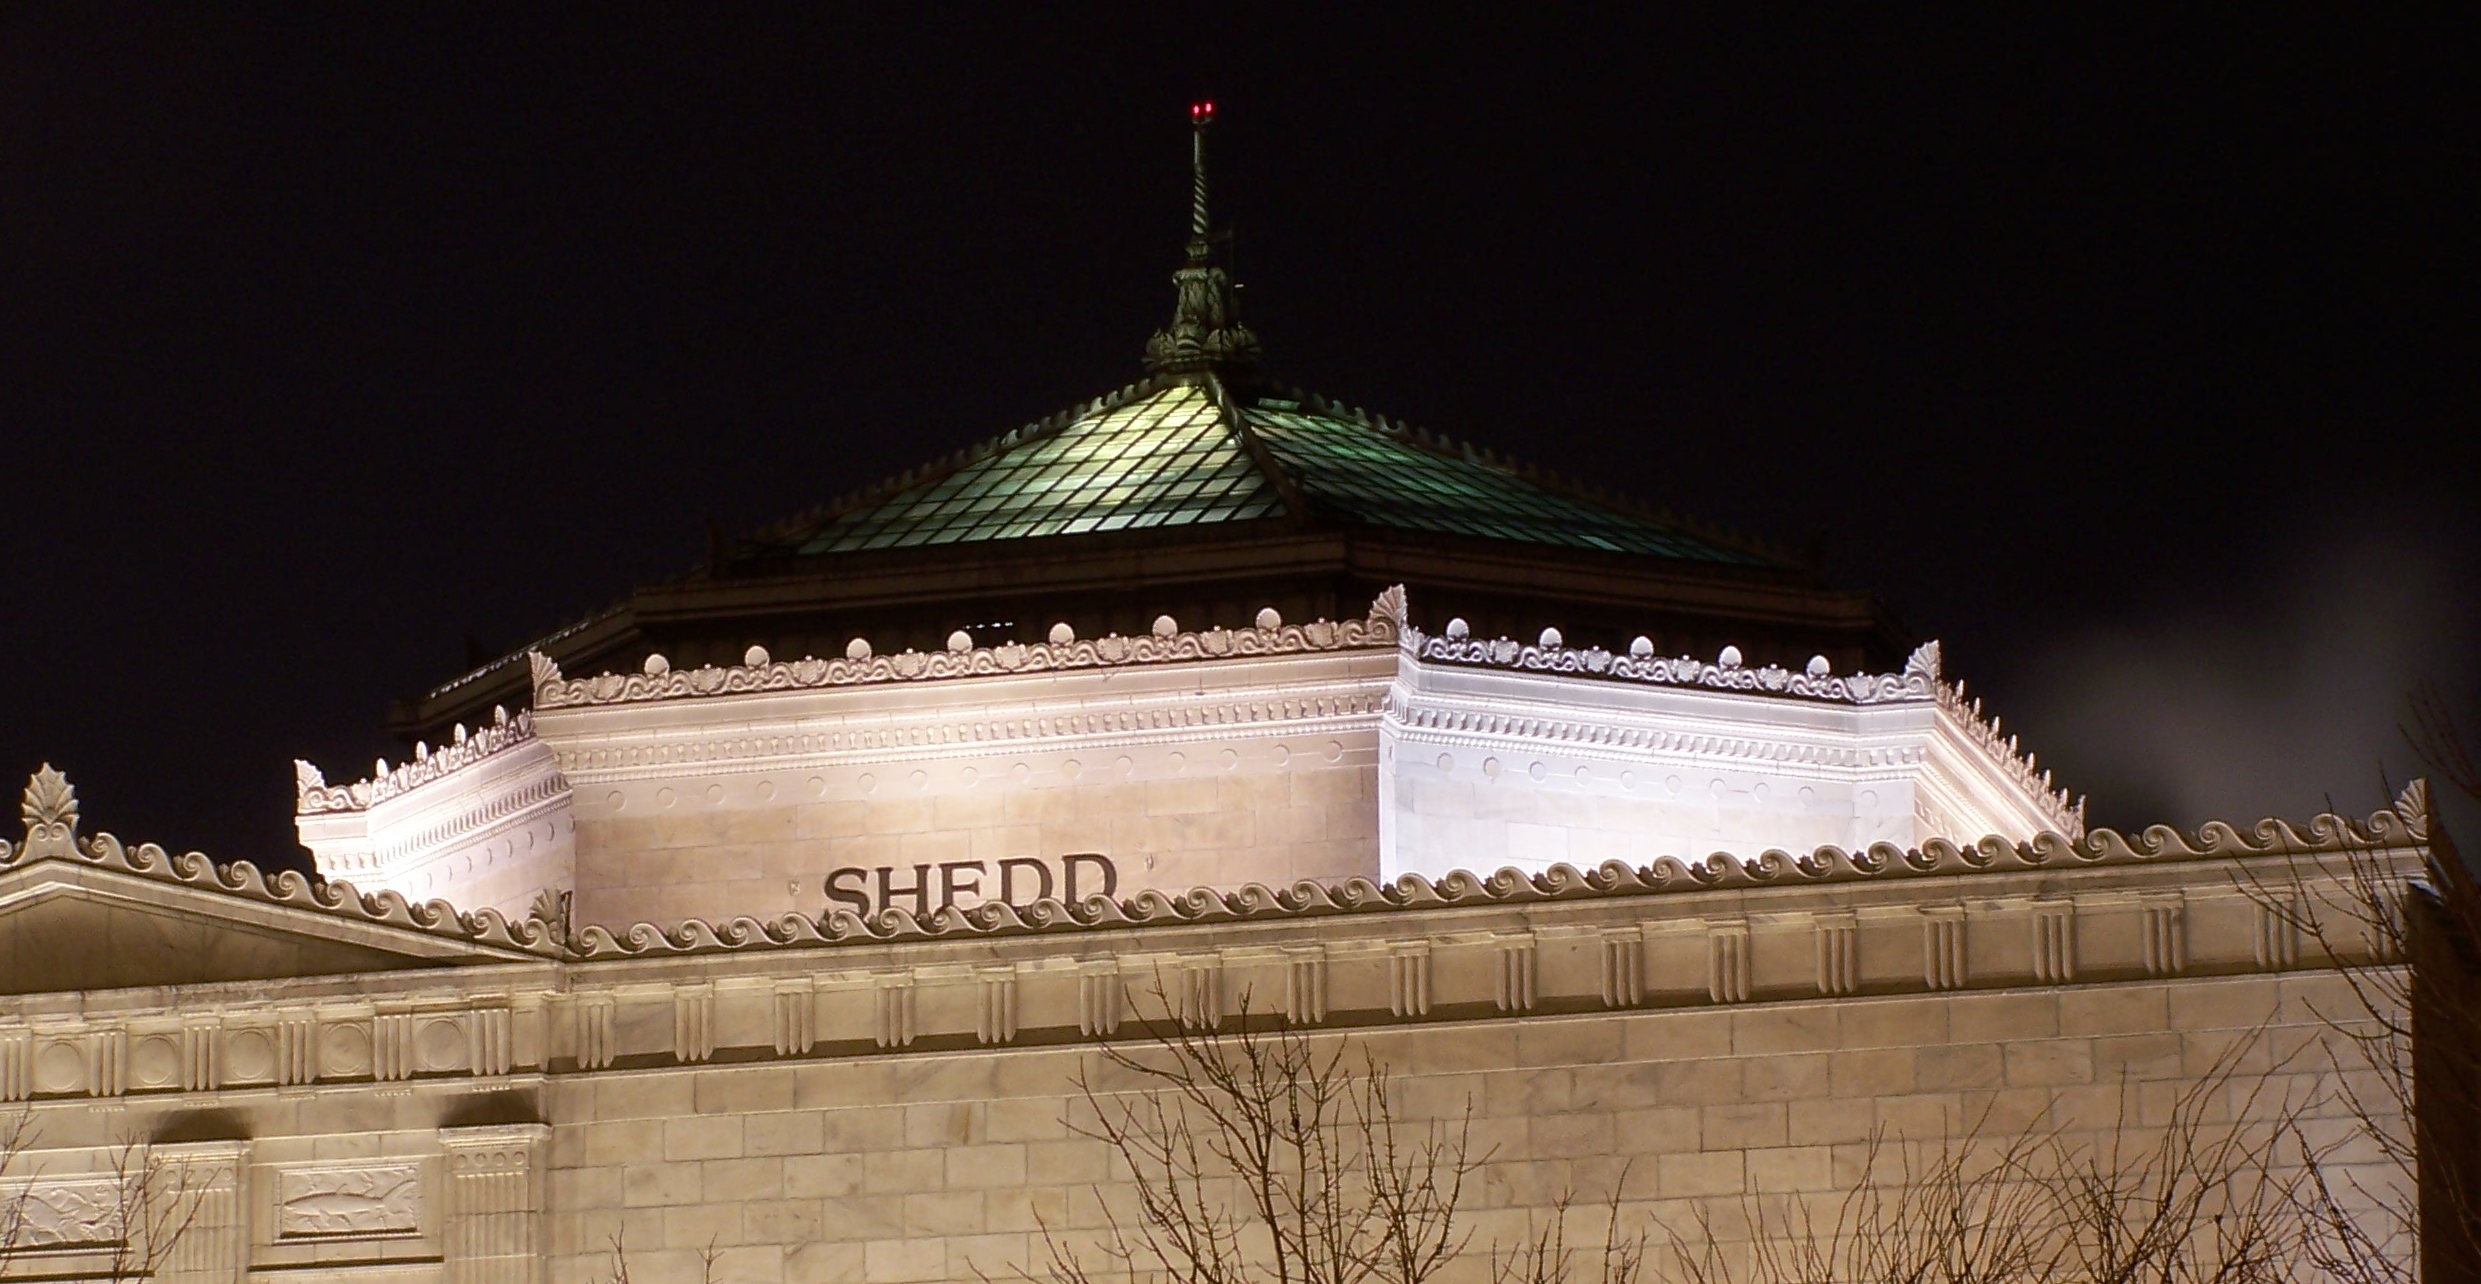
(2196, 1198)
(2394, 1198)
(618, 1272)
(147, 1207)
(1258, 1152)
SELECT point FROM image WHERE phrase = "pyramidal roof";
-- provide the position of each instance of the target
(1191, 449)
(1204, 442)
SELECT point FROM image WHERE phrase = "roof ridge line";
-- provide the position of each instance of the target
(1444, 446)
(1296, 504)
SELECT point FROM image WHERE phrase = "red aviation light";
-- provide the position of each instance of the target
(1202, 113)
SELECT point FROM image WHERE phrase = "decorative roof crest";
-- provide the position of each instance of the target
(1551, 654)
(2008, 755)
(1063, 651)
(312, 795)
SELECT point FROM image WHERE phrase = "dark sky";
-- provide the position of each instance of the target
(2133, 357)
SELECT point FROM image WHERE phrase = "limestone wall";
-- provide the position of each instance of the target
(895, 1110)
(932, 1166)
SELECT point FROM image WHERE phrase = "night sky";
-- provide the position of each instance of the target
(2133, 358)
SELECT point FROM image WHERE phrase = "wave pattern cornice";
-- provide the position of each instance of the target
(2405, 825)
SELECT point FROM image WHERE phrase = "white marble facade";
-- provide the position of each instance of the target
(1266, 754)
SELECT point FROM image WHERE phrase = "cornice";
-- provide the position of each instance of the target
(314, 796)
(1170, 721)
(1917, 683)
(1168, 644)
(1879, 863)
(1434, 724)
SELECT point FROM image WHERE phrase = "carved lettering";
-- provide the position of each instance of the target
(1020, 881)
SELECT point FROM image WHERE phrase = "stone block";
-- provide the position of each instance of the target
(784, 1132)
(901, 1261)
(2114, 1009)
(702, 1137)
(950, 1212)
(1973, 1018)
(985, 1166)
(2050, 1061)
(740, 1181)
(789, 1222)
(701, 1225)
(1829, 1121)
(659, 1185)
(1812, 1027)
(1958, 1065)
(1783, 1169)
(1713, 1173)
(1786, 1078)
(904, 1172)
(1744, 1125)
(1908, 1022)
(1672, 1036)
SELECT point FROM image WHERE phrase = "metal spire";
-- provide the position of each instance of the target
(1204, 334)
(1200, 116)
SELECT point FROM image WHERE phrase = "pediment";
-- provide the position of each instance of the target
(90, 914)
(65, 927)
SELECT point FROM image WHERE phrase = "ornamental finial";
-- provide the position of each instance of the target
(50, 810)
(1204, 333)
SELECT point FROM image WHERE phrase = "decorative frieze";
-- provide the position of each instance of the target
(1517, 976)
(200, 1039)
(1408, 979)
(1623, 967)
(995, 1006)
(1305, 984)
(796, 1017)
(356, 1199)
(1727, 962)
(1942, 947)
(2166, 934)
(16, 1065)
(594, 1030)
(892, 996)
(107, 1063)
(491, 1045)
(1839, 951)
(1101, 996)
(2054, 941)
(1197, 991)
(295, 1037)
(693, 1023)
(2278, 917)
(69, 1212)
(392, 1045)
